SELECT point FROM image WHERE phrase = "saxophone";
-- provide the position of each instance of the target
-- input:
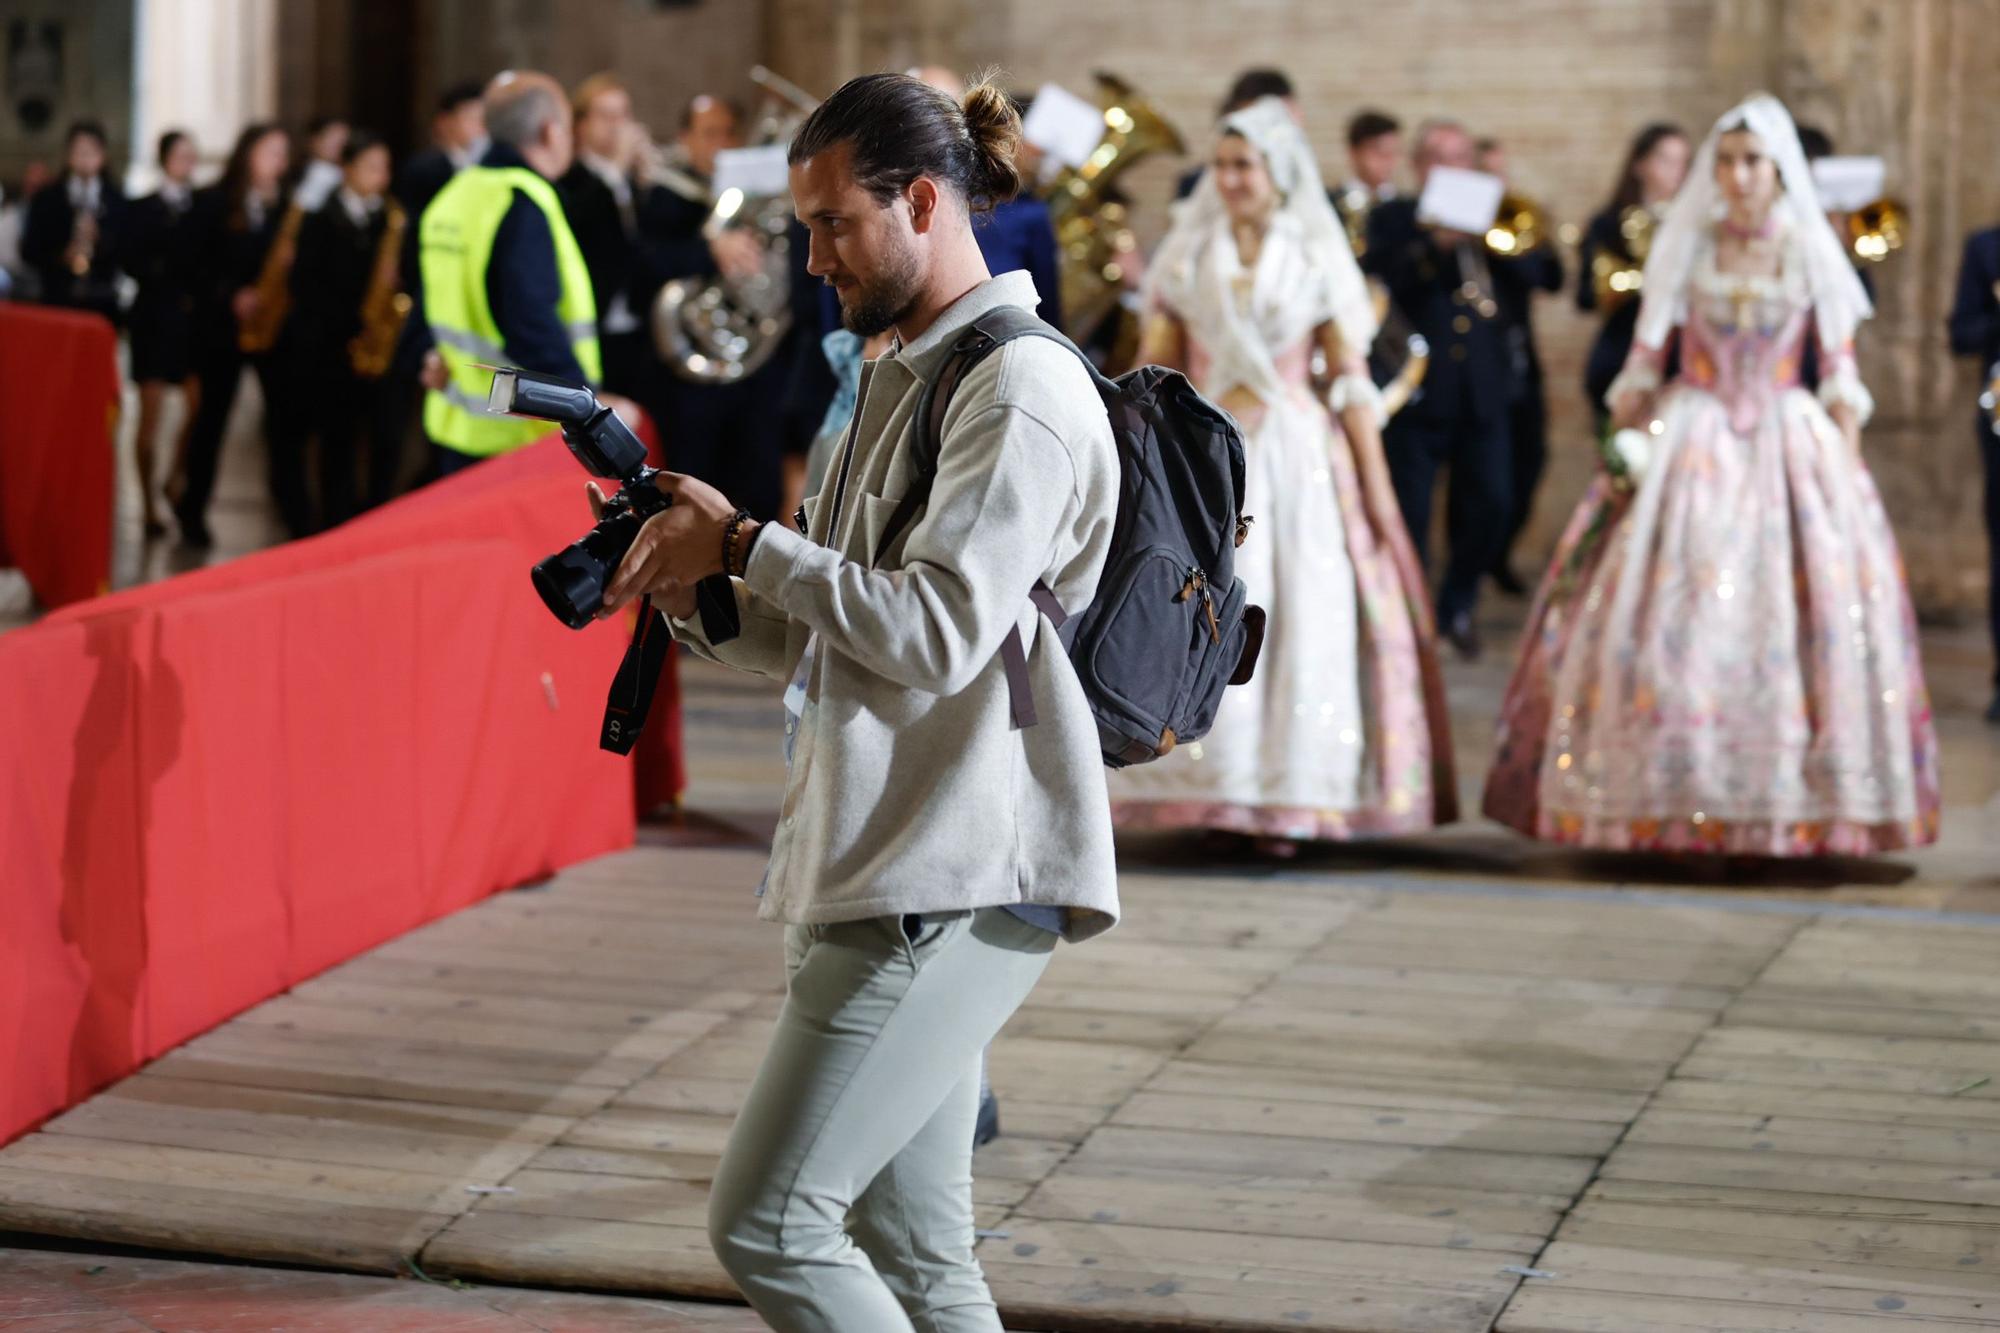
(259, 333)
(385, 308)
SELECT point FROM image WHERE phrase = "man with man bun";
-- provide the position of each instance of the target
(928, 854)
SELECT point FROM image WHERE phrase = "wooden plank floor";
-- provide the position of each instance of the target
(1826, 1159)
(1355, 1094)
(1261, 1104)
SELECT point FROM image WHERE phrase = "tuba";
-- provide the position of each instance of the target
(386, 306)
(715, 329)
(1876, 231)
(1093, 227)
(259, 333)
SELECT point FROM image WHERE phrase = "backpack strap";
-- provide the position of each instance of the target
(985, 335)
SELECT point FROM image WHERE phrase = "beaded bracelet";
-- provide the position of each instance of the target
(730, 531)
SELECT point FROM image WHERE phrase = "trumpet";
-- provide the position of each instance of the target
(1876, 231)
(1518, 227)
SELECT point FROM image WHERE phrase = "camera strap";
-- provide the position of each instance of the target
(638, 676)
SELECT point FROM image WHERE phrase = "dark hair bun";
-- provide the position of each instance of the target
(995, 127)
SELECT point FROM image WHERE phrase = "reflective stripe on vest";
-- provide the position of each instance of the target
(455, 240)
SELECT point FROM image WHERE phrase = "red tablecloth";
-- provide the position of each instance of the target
(212, 788)
(59, 397)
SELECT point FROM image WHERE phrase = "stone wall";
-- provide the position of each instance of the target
(63, 61)
(1564, 83)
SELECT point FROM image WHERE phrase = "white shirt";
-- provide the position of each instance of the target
(322, 178)
(359, 210)
(176, 195)
(85, 193)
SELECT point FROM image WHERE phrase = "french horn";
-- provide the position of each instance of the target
(1876, 231)
(1617, 278)
(1518, 227)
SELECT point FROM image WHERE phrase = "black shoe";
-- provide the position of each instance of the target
(195, 534)
(987, 1128)
(1507, 581)
(1461, 634)
(1993, 711)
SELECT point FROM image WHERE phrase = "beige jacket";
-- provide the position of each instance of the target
(910, 789)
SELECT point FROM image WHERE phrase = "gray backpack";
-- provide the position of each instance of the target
(1170, 627)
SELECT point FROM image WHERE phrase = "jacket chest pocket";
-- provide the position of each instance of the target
(871, 520)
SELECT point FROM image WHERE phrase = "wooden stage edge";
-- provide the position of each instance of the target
(1366, 1103)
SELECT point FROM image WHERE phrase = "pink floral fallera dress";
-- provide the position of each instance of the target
(1724, 658)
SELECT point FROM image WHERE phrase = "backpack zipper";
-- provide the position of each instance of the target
(1197, 582)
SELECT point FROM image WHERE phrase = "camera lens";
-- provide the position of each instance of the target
(571, 582)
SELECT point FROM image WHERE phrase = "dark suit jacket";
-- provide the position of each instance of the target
(45, 234)
(229, 256)
(670, 234)
(1472, 376)
(1515, 282)
(330, 276)
(159, 253)
(1975, 310)
(617, 259)
(426, 172)
(1614, 336)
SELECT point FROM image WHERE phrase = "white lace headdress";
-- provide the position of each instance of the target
(1267, 126)
(1839, 300)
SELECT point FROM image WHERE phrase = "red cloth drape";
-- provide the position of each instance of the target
(59, 397)
(214, 787)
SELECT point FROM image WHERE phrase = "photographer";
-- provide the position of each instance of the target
(928, 853)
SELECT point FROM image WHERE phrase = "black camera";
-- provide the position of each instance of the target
(571, 582)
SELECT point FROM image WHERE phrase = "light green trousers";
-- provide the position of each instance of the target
(843, 1203)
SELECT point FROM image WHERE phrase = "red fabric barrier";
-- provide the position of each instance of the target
(59, 397)
(217, 786)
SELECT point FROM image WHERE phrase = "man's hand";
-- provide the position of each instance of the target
(679, 605)
(737, 254)
(675, 550)
(432, 375)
